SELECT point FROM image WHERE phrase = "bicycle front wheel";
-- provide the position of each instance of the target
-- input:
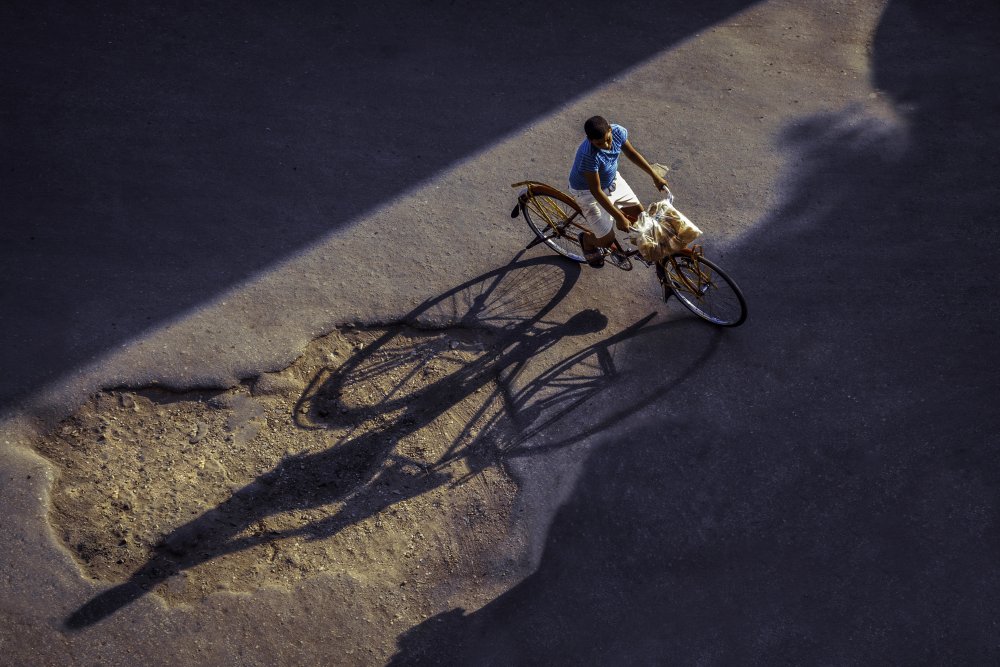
(550, 219)
(704, 289)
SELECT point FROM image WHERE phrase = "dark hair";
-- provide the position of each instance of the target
(596, 127)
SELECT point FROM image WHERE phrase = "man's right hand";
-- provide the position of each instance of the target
(622, 223)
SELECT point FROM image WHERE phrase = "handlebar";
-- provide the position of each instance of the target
(670, 195)
(661, 171)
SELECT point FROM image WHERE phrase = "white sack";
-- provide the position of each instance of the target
(662, 230)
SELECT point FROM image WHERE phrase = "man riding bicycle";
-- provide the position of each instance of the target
(599, 189)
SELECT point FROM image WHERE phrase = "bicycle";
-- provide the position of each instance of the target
(698, 283)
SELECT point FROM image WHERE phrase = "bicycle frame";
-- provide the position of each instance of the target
(704, 278)
(535, 187)
(696, 281)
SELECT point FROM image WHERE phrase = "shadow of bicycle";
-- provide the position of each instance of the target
(470, 381)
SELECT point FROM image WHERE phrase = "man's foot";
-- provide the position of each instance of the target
(594, 257)
(619, 259)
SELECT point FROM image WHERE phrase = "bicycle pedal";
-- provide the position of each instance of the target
(619, 260)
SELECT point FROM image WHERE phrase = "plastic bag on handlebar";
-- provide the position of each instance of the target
(661, 230)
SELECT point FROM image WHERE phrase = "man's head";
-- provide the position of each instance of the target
(598, 130)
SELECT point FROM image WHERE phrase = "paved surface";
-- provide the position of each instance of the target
(816, 486)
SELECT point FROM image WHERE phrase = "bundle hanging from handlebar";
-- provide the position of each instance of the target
(661, 230)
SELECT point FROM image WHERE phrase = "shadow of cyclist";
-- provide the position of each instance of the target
(358, 469)
(837, 501)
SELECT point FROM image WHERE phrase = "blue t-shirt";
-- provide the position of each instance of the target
(590, 159)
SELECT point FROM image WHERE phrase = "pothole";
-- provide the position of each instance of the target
(375, 454)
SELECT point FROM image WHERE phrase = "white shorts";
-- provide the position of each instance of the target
(596, 219)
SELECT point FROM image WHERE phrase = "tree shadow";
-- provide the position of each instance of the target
(508, 308)
(833, 499)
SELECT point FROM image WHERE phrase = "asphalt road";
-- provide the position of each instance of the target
(154, 158)
(189, 199)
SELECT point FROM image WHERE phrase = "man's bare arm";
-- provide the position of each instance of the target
(594, 183)
(635, 156)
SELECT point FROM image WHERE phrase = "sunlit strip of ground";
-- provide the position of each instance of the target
(711, 108)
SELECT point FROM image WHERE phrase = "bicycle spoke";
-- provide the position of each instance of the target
(546, 209)
(550, 219)
(705, 290)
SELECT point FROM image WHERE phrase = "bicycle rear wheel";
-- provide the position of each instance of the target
(549, 218)
(704, 289)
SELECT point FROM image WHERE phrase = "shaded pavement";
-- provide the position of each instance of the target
(831, 497)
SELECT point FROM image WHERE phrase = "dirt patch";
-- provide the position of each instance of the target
(376, 454)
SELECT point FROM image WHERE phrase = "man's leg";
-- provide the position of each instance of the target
(590, 242)
(625, 199)
(632, 211)
(600, 230)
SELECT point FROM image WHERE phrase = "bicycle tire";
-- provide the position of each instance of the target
(719, 300)
(547, 216)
